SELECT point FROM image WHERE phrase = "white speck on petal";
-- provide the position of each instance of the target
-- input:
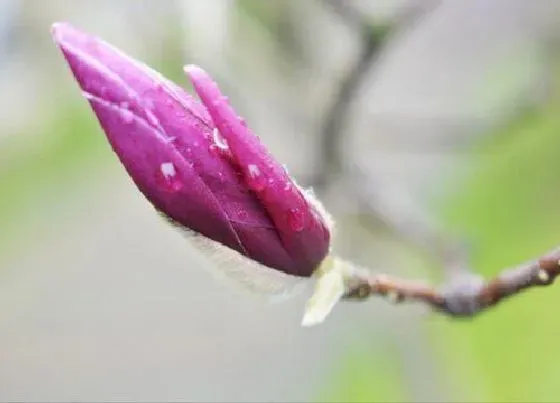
(254, 170)
(167, 169)
(219, 140)
(127, 116)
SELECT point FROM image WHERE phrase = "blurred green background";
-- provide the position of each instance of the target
(100, 300)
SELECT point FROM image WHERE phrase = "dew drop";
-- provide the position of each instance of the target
(217, 150)
(168, 176)
(219, 141)
(127, 116)
(255, 179)
(168, 169)
(296, 219)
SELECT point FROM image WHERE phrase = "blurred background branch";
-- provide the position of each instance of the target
(371, 40)
(377, 199)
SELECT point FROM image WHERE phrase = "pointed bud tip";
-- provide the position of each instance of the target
(193, 70)
(195, 73)
(58, 29)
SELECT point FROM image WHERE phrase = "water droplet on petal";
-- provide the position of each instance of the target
(218, 151)
(255, 179)
(127, 116)
(296, 219)
(219, 141)
(168, 169)
(168, 176)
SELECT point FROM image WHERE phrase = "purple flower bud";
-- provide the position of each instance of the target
(198, 163)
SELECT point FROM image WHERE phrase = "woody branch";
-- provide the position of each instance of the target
(388, 203)
(462, 296)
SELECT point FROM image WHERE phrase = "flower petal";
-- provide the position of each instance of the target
(160, 172)
(118, 84)
(303, 231)
(139, 118)
(149, 86)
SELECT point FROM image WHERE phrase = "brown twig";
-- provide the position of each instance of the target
(463, 296)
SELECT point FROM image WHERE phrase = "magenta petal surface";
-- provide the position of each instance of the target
(302, 229)
(167, 142)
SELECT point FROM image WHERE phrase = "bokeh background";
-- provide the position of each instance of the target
(453, 114)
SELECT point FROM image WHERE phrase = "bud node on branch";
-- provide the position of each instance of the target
(463, 296)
